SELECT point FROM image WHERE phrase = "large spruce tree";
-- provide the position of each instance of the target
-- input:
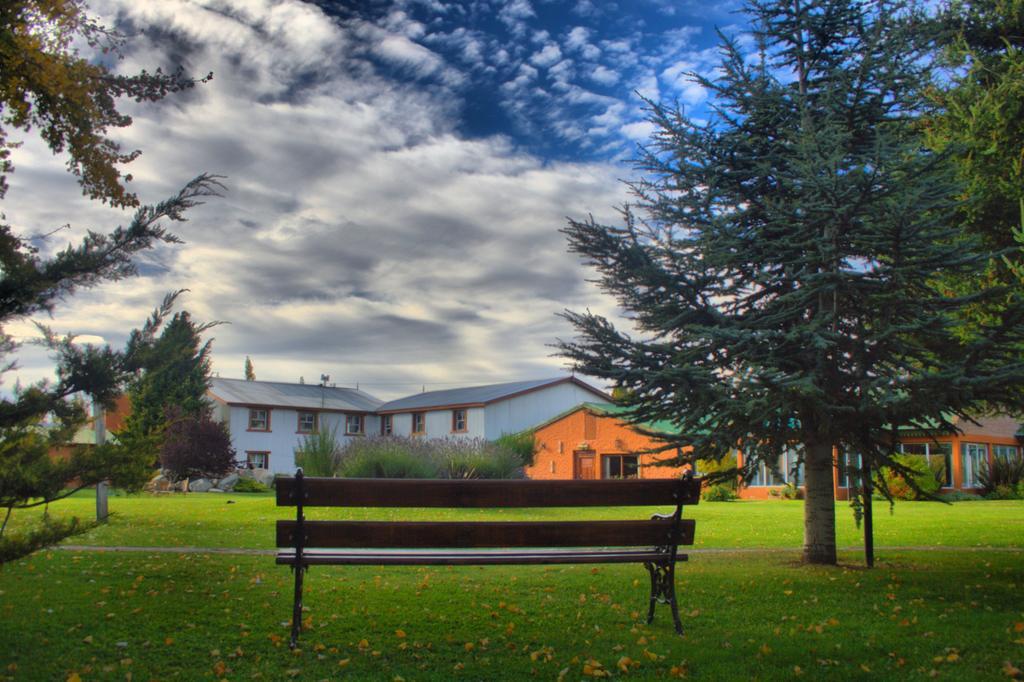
(171, 372)
(778, 261)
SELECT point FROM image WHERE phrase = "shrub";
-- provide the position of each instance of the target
(386, 457)
(920, 481)
(791, 491)
(1002, 473)
(476, 459)
(319, 454)
(249, 485)
(718, 493)
(521, 444)
(1003, 492)
(396, 457)
(196, 447)
(721, 472)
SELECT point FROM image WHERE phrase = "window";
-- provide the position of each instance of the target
(1005, 452)
(385, 425)
(307, 422)
(257, 460)
(459, 421)
(975, 456)
(849, 470)
(620, 466)
(771, 475)
(589, 426)
(259, 420)
(938, 456)
(419, 422)
(353, 424)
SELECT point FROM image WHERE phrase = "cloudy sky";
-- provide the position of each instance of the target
(397, 174)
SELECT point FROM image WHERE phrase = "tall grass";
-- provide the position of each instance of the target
(319, 454)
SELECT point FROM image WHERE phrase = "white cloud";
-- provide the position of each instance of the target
(360, 236)
(547, 56)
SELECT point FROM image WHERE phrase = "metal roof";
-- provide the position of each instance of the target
(476, 395)
(277, 394)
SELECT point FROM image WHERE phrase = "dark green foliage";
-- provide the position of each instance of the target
(778, 262)
(249, 485)
(1002, 476)
(50, 532)
(172, 371)
(196, 446)
(979, 113)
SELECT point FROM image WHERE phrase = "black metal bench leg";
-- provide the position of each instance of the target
(663, 589)
(297, 608)
(654, 590)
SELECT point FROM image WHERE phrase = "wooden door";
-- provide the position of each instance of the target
(584, 466)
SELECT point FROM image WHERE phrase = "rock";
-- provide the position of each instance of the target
(214, 490)
(158, 483)
(228, 482)
(264, 476)
(246, 473)
(200, 485)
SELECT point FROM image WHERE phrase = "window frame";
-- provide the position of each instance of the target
(455, 420)
(934, 450)
(361, 421)
(621, 457)
(249, 454)
(422, 417)
(316, 422)
(266, 419)
(968, 469)
(387, 425)
(1014, 452)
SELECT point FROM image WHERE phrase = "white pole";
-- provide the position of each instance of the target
(100, 426)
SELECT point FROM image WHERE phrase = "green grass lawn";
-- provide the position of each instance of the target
(160, 616)
(247, 520)
(99, 615)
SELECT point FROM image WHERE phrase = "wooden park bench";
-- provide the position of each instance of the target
(652, 542)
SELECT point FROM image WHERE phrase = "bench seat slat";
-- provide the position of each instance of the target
(412, 534)
(473, 558)
(374, 492)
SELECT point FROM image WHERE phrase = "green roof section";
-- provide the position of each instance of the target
(610, 410)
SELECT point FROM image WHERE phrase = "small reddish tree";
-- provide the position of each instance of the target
(196, 446)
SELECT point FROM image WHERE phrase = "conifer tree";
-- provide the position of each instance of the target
(250, 371)
(778, 260)
(172, 371)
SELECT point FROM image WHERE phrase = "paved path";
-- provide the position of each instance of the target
(737, 550)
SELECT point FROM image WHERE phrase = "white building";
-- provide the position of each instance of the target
(484, 411)
(268, 420)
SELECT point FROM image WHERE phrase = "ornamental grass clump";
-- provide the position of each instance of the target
(1003, 478)
(319, 454)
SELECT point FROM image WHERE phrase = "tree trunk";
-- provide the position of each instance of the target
(819, 505)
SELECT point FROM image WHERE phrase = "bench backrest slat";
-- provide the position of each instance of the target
(373, 492)
(454, 534)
